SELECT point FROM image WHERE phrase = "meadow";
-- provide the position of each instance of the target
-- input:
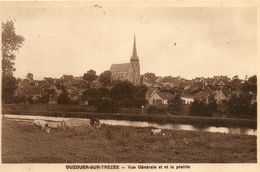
(120, 144)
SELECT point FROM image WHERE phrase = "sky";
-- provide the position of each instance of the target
(66, 38)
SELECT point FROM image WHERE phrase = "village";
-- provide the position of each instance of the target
(68, 98)
(124, 87)
(158, 92)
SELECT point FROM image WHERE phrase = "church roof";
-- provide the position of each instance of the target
(134, 56)
(123, 67)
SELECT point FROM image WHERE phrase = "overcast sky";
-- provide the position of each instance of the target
(71, 39)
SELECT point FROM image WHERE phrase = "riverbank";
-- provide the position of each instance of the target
(118, 144)
(159, 118)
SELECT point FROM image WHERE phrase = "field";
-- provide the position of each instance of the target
(21, 144)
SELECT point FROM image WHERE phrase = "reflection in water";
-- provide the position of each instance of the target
(213, 129)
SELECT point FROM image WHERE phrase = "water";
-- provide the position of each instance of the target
(212, 129)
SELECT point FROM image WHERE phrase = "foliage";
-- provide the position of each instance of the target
(175, 105)
(250, 85)
(155, 110)
(107, 105)
(11, 42)
(253, 110)
(128, 95)
(29, 76)
(64, 97)
(212, 104)
(151, 77)
(9, 86)
(200, 108)
(105, 78)
(95, 95)
(239, 105)
(19, 99)
(122, 91)
(44, 99)
(139, 95)
(89, 77)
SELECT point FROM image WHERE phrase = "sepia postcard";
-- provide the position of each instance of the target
(129, 85)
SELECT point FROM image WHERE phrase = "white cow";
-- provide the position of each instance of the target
(57, 124)
(73, 123)
(156, 131)
(41, 123)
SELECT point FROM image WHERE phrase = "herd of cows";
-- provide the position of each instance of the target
(46, 126)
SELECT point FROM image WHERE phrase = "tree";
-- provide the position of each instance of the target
(11, 42)
(123, 93)
(200, 108)
(105, 78)
(94, 96)
(107, 105)
(64, 97)
(175, 105)
(150, 76)
(239, 105)
(29, 76)
(89, 77)
(9, 86)
(139, 95)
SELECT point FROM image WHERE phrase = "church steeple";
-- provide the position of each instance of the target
(134, 55)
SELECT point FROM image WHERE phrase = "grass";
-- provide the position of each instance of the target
(110, 144)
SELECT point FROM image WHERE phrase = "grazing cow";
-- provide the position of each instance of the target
(57, 124)
(41, 123)
(156, 131)
(95, 123)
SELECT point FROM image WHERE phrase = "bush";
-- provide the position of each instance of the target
(239, 105)
(63, 99)
(200, 108)
(107, 105)
(154, 110)
(19, 99)
(175, 105)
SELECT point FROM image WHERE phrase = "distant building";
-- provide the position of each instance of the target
(158, 98)
(187, 100)
(128, 71)
(219, 97)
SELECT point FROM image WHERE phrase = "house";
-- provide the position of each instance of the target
(158, 98)
(220, 84)
(186, 99)
(202, 96)
(219, 96)
(67, 77)
(150, 91)
(146, 82)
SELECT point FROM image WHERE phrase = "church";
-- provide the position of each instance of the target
(128, 71)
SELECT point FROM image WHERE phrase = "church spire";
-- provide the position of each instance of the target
(134, 55)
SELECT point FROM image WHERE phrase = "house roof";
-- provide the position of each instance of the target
(123, 67)
(187, 96)
(150, 91)
(165, 95)
(201, 94)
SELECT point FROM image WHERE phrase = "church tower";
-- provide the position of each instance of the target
(134, 61)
